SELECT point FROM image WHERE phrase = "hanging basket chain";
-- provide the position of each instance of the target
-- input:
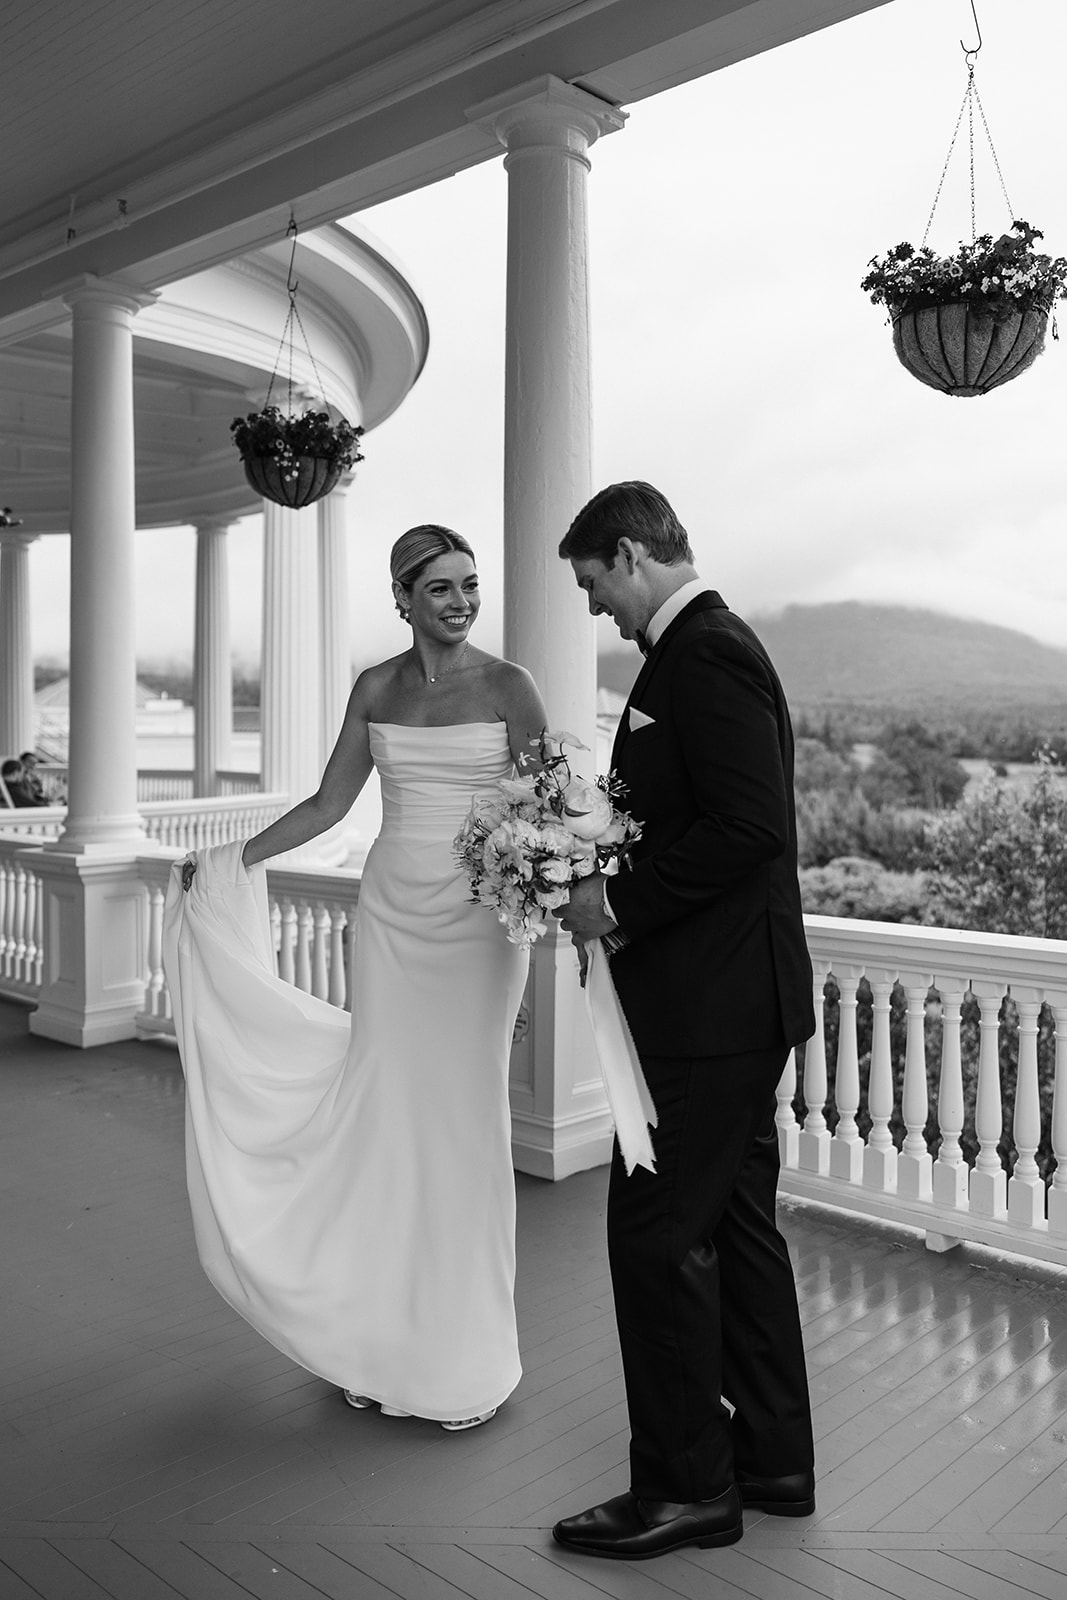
(288, 340)
(996, 160)
(971, 97)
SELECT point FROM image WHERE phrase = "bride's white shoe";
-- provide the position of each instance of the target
(363, 1402)
(469, 1422)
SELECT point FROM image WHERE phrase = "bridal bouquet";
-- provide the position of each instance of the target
(523, 847)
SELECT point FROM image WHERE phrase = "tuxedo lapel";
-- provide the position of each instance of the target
(710, 600)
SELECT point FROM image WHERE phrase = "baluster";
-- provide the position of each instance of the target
(785, 1117)
(29, 955)
(320, 978)
(350, 951)
(286, 964)
(1057, 1195)
(989, 1183)
(813, 1149)
(303, 948)
(37, 977)
(338, 922)
(1026, 1192)
(20, 920)
(880, 1155)
(154, 991)
(846, 1146)
(6, 915)
(915, 1163)
(275, 927)
(950, 1169)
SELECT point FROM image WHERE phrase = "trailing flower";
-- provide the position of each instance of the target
(997, 278)
(276, 436)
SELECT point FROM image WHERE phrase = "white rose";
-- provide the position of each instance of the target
(556, 838)
(555, 871)
(552, 899)
(586, 809)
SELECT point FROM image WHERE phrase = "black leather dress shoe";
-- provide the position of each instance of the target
(791, 1496)
(630, 1529)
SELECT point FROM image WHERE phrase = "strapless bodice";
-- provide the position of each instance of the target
(430, 775)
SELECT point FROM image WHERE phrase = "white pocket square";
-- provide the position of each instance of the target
(638, 719)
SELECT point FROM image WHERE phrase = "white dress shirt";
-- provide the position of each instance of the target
(657, 626)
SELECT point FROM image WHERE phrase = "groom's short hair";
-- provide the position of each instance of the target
(632, 510)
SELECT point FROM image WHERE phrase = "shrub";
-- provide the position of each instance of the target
(852, 886)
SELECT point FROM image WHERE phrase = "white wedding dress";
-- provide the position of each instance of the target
(351, 1185)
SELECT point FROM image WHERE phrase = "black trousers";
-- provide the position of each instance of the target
(705, 1298)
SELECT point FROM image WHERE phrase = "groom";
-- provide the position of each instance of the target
(712, 972)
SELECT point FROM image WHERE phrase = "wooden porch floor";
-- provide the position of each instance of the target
(151, 1445)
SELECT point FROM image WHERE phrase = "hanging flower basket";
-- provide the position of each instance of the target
(968, 322)
(961, 350)
(295, 460)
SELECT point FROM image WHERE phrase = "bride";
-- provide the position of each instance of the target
(351, 1185)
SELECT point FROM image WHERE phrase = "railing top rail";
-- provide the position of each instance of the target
(208, 803)
(955, 954)
(311, 883)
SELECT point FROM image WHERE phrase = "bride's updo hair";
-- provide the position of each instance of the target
(414, 551)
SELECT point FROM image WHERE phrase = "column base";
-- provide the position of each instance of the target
(100, 838)
(554, 1149)
(560, 1118)
(95, 943)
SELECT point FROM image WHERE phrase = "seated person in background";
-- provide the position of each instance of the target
(34, 785)
(14, 776)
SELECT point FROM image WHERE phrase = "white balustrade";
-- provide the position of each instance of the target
(926, 1184)
(21, 905)
(943, 1197)
(312, 917)
(34, 822)
(220, 819)
(176, 783)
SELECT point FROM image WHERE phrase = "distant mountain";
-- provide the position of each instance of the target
(852, 653)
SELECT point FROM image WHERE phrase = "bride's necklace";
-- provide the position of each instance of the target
(453, 668)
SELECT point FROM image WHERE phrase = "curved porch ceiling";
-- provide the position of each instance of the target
(204, 352)
(156, 138)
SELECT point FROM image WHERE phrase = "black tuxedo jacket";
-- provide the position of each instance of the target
(718, 963)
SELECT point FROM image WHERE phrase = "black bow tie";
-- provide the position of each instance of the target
(642, 643)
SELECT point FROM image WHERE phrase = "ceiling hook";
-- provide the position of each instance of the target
(972, 49)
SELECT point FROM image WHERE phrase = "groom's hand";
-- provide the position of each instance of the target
(584, 917)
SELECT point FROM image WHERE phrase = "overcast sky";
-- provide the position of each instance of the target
(736, 363)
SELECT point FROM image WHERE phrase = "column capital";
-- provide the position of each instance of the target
(547, 110)
(19, 537)
(91, 291)
(212, 524)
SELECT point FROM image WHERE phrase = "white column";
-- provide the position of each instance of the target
(559, 1111)
(16, 649)
(103, 661)
(335, 652)
(289, 691)
(95, 927)
(212, 669)
(547, 128)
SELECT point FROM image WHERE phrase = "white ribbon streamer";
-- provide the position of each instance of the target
(628, 1093)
